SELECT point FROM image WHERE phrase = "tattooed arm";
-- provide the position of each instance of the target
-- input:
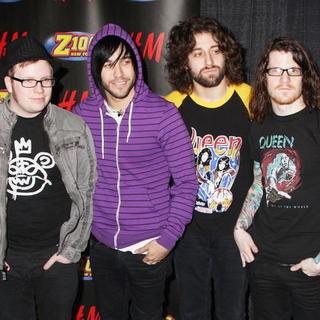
(250, 206)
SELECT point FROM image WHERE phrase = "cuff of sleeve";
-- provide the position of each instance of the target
(71, 254)
(167, 241)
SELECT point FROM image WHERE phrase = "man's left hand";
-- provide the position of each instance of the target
(307, 266)
(55, 258)
(154, 252)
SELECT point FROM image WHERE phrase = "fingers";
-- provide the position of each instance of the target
(150, 259)
(243, 259)
(247, 255)
(296, 267)
(254, 248)
(152, 262)
(49, 264)
(142, 250)
(7, 266)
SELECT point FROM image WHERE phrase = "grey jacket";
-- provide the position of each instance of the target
(72, 147)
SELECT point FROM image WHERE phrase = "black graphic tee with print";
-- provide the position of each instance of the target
(286, 227)
(38, 203)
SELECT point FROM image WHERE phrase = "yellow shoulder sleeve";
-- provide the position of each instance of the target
(175, 97)
(244, 92)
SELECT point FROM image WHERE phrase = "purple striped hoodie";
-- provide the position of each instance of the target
(136, 159)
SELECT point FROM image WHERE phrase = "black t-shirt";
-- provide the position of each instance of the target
(38, 202)
(219, 133)
(286, 228)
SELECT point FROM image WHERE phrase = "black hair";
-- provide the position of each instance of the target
(103, 50)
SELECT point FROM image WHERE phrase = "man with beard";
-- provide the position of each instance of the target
(142, 145)
(205, 66)
(282, 245)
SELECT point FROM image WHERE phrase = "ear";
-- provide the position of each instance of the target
(8, 83)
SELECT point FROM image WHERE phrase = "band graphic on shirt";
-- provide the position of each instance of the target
(217, 165)
(281, 170)
(27, 175)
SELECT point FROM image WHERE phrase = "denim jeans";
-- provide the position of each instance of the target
(278, 293)
(31, 293)
(198, 261)
(124, 284)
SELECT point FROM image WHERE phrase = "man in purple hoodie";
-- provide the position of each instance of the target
(146, 185)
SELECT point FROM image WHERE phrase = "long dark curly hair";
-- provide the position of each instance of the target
(260, 104)
(181, 42)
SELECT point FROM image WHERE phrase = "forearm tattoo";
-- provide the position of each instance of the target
(317, 259)
(252, 200)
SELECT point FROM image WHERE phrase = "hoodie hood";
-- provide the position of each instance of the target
(141, 88)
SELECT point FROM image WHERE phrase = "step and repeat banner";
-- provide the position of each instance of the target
(66, 27)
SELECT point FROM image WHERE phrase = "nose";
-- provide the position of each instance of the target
(209, 60)
(38, 87)
(285, 77)
(117, 70)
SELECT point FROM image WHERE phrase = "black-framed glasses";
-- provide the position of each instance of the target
(277, 72)
(31, 83)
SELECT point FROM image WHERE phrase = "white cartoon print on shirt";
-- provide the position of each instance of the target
(217, 166)
(27, 176)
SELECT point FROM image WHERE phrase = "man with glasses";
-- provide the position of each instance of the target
(47, 177)
(278, 230)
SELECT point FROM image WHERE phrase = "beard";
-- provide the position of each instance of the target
(211, 80)
(286, 98)
(119, 94)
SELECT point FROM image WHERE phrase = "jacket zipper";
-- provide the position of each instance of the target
(115, 240)
(9, 145)
(56, 157)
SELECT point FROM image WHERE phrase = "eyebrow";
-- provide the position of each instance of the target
(125, 56)
(214, 46)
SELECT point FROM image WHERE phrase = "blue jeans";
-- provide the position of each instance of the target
(29, 288)
(198, 261)
(122, 279)
(278, 293)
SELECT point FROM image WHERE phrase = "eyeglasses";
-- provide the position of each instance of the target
(31, 83)
(277, 72)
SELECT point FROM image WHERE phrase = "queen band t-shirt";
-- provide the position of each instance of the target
(286, 227)
(38, 202)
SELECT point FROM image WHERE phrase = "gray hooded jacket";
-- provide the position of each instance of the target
(72, 147)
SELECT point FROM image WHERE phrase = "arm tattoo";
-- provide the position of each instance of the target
(317, 259)
(252, 200)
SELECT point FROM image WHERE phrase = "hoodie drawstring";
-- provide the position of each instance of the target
(102, 132)
(129, 121)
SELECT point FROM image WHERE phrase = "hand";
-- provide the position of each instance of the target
(154, 251)
(7, 266)
(245, 245)
(307, 266)
(55, 258)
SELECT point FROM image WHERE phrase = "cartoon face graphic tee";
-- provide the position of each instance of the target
(38, 202)
(287, 224)
(219, 135)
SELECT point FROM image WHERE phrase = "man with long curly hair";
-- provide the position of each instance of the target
(283, 243)
(205, 67)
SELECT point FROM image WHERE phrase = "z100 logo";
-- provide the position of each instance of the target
(69, 45)
(74, 45)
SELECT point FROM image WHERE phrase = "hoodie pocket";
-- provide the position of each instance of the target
(137, 209)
